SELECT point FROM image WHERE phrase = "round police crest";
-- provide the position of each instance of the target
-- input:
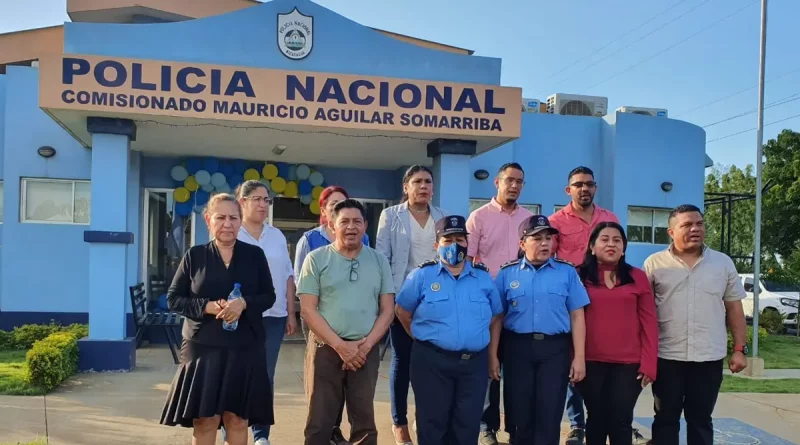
(514, 284)
(295, 34)
(435, 287)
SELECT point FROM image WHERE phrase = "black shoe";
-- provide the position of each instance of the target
(638, 439)
(576, 437)
(337, 438)
(488, 438)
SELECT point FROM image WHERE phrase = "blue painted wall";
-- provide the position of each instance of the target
(248, 38)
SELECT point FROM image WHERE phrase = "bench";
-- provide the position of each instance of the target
(145, 320)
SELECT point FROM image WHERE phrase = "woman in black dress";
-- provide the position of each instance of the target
(220, 379)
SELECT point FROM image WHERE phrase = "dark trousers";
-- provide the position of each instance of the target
(449, 390)
(491, 413)
(305, 330)
(399, 373)
(326, 384)
(691, 387)
(610, 391)
(538, 370)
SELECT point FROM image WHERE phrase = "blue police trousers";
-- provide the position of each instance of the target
(449, 390)
(538, 368)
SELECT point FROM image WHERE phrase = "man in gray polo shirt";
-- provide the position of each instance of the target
(696, 289)
(346, 295)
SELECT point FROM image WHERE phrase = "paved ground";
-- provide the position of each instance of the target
(124, 408)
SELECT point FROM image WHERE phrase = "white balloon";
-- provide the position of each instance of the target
(306, 199)
(218, 179)
(207, 187)
(302, 172)
(224, 188)
(316, 179)
(202, 177)
(199, 209)
(179, 173)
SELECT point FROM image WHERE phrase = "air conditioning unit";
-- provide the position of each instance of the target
(655, 112)
(531, 105)
(576, 105)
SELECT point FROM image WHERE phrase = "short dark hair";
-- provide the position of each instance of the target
(349, 203)
(683, 208)
(580, 170)
(508, 165)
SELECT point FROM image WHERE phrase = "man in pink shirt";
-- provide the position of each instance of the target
(493, 239)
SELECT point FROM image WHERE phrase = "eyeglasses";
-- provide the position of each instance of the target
(513, 181)
(353, 270)
(579, 185)
(259, 199)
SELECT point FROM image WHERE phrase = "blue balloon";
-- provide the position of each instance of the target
(193, 166)
(211, 165)
(201, 197)
(283, 169)
(235, 179)
(239, 166)
(305, 187)
(226, 168)
(184, 208)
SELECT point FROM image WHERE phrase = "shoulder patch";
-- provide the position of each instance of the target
(563, 261)
(480, 266)
(510, 263)
(428, 263)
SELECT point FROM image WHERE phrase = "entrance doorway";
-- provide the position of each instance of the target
(166, 237)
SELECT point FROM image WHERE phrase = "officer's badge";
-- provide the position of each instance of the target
(435, 287)
(514, 284)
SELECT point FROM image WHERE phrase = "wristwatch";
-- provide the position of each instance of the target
(741, 348)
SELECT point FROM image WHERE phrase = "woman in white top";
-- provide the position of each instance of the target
(406, 235)
(280, 319)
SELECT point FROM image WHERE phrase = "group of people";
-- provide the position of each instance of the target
(548, 306)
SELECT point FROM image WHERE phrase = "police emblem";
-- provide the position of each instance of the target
(541, 221)
(454, 222)
(295, 34)
(514, 284)
(435, 287)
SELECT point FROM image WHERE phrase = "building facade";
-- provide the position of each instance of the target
(116, 127)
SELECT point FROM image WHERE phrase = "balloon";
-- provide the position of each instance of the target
(251, 174)
(207, 187)
(224, 188)
(191, 184)
(202, 177)
(201, 197)
(239, 166)
(302, 171)
(218, 179)
(199, 209)
(270, 171)
(291, 189)
(306, 199)
(184, 208)
(292, 175)
(179, 173)
(235, 179)
(305, 188)
(316, 191)
(278, 185)
(226, 168)
(211, 165)
(316, 178)
(314, 207)
(181, 194)
(283, 169)
(193, 166)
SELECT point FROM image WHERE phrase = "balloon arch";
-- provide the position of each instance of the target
(197, 179)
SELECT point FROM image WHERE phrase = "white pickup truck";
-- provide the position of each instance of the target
(784, 298)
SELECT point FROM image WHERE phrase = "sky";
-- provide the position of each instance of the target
(681, 55)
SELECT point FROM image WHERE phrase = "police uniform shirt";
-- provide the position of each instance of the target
(452, 313)
(540, 300)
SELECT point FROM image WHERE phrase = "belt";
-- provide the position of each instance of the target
(462, 355)
(539, 336)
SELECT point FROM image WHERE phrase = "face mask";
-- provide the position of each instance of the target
(453, 254)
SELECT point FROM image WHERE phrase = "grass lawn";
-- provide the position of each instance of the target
(780, 352)
(12, 375)
(769, 386)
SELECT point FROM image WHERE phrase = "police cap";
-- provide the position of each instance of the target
(450, 225)
(535, 224)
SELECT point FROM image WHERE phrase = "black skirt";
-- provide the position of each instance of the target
(214, 379)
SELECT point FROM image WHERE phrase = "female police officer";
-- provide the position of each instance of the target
(543, 300)
(447, 306)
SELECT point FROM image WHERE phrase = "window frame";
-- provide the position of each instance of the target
(23, 200)
(652, 211)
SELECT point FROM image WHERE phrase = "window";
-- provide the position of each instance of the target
(648, 225)
(557, 208)
(475, 204)
(748, 284)
(56, 201)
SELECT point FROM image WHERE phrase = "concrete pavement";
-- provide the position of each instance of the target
(124, 408)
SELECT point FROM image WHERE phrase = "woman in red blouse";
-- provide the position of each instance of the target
(621, 336)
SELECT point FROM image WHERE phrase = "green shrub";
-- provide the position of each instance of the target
(78, 330)
(762, 335)
(25, 336)
(6, 340)
(772, 321)
(52, 360)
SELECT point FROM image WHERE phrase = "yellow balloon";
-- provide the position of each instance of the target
(181, 194)
(316, 191)
(251, 174)
(291, 189)
(270, 171)
(191, 184)
(314, 207)
(278, 185)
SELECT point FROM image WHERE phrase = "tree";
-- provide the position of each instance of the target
(732, 180)
(781, 212)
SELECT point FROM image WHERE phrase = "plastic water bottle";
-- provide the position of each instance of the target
(235, 293)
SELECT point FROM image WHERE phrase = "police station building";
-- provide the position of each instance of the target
(116, 128)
